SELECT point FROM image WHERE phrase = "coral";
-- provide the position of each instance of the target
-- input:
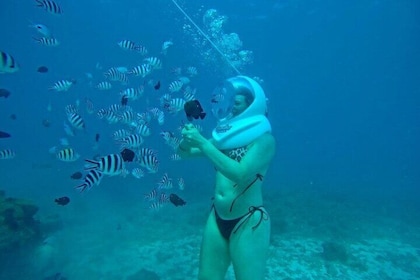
(17, 224)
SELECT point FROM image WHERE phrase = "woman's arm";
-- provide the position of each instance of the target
(186, 151)
(257, 158)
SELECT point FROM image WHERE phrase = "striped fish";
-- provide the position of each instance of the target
(132, 93)
(93, 178)
(67, 155)
(152, 195)
(76, 120)
(181, 184)
(175, 86)
(141, 70)
(154, 62)
(63, 85)
(119, 134)
(50, 6)
(143, 130)
(128, 45)
(47, 41)
(132, 141)
(113, 74)
(165, 182)
(111, 165)
(127, 117)
(150, 162)
(176, 105)
(104, 86)
(142, 50)
(7, 154)
(137, 173)
(7, 63)
(192, 71)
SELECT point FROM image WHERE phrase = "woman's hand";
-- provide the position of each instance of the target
(192, 137)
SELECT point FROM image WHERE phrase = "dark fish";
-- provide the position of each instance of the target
(42, 69)
(194, 110)
(4, 134)
(97, 136)
(13, 117)
(46, 122)
(4, 93)
(128, 155)
(76, 175)
(124, 100)
(176, 200)
(62, 200)
(157, 86)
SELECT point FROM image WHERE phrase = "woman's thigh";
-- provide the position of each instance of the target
(214, 255)
(249, 247)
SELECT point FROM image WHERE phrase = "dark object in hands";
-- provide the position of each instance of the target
(193, 110)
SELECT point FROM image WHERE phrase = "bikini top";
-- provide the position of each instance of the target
(237, 154)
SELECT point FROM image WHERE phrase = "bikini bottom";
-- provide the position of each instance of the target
(226, 227)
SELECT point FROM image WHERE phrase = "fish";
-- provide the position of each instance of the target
(76, 121)
(124, 100)
(4, 93)
(4, 134)
(157, 85)
(128, 155)
(137, 173)
(175, 86)
(7, 154)
(50, 6)
(47, 41)
(104, 86)
(76, 175)
(193, 110)
(176, 200)
(165, 46)
(62, 200)
(67, 155)
(192, 71)
(63, 85)
(128, 45)
(150, 162)
(46, 122)
(97, 136)
(93, 178)
(42, 29)
(7, 63)
(141, 70)
(42, 69)
(112, 165)
(154, 62)
(13, 117)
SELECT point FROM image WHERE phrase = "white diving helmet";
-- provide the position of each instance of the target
(238, 131)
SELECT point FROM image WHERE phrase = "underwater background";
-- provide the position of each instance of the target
(342, 82)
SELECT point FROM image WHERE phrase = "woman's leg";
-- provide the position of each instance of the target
(214, 255)
(249, 247)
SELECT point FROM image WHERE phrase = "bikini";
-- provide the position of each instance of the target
(226, 227)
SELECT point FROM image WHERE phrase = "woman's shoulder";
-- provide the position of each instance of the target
(267, 139)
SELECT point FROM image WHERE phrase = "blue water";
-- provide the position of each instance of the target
(342, 80)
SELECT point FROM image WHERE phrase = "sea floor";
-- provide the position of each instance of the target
(313, 237)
